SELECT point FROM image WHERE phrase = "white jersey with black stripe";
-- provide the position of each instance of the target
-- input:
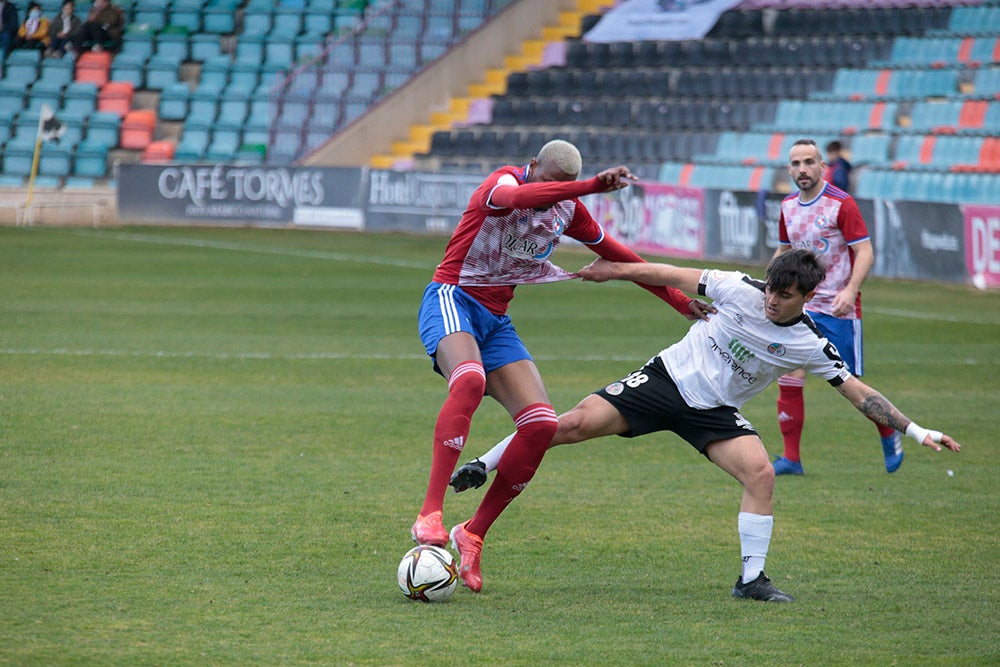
(738, 352)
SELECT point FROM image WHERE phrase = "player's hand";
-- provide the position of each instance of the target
(616, 178)
(598, 271)
(843, 303)
(946, 440)
(700, 310)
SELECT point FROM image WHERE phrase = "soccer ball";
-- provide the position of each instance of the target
(428, 574)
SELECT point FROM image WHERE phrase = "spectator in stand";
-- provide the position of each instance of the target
(65, 29)
(34, 32)
(8, 26)
(102, 28)
(838, 169)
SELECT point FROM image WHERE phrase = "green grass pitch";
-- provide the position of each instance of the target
(213, 443)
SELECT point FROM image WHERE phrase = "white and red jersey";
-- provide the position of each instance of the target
(828, 225)
(493, 249)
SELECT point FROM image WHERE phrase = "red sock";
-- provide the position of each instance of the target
(884, 431)
(791, 414)
(465, 392)
(536, 425)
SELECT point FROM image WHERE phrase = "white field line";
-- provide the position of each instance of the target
(265, 250)
(375, 356)
(387, 261)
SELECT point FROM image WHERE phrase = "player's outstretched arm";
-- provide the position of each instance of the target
(666, 275)
(615, 251)
(879, 409)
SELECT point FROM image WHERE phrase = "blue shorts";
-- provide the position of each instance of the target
(846, 337)
(447, 309)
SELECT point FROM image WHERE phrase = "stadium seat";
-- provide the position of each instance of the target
(149, 17)
(223, 146)
(58, 70)
(186, 14)
(204, 46)
(18, 158)
(79, 183)
(44, 92)
(172, 43)
(174, 101)
(73, 124)
(194, 142)
(251, 153)
(219, 17)
(158, 152)
(91, 159)
(116, 97)
(161, 71)
(80, 97)
(23, 65)
(138, 128)
(93, 67)
(55, 159)
(103, 129)
(129, 67)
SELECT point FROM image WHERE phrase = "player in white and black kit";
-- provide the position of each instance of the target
(697, 386)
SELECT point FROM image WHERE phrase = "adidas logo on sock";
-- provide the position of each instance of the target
(455, 443)
(784, 417)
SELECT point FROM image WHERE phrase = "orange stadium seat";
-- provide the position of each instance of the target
(138, 128)
(94, 67)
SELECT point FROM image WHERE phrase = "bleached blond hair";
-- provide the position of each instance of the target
(563, 154)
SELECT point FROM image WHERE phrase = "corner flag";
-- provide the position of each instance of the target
(49, 127)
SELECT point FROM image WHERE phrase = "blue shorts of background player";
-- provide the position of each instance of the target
(845, 334)
(446, 309)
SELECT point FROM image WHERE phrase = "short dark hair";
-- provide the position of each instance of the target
(834, 146)
(804, 142)
(798, 268)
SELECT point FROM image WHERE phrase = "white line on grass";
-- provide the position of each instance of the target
(267, 250)
(334, 356)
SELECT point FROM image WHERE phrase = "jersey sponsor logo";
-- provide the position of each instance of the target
(740, 351)
(734, 361)
(777, 349)
(525, 248)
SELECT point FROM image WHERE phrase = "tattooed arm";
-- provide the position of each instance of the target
(879, 409)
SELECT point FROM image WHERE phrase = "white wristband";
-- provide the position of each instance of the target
(919, 434)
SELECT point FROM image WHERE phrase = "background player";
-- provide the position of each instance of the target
(826, 220)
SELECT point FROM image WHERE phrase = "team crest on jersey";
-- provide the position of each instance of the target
(821, 221)
(777, 349)
(615, 388)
